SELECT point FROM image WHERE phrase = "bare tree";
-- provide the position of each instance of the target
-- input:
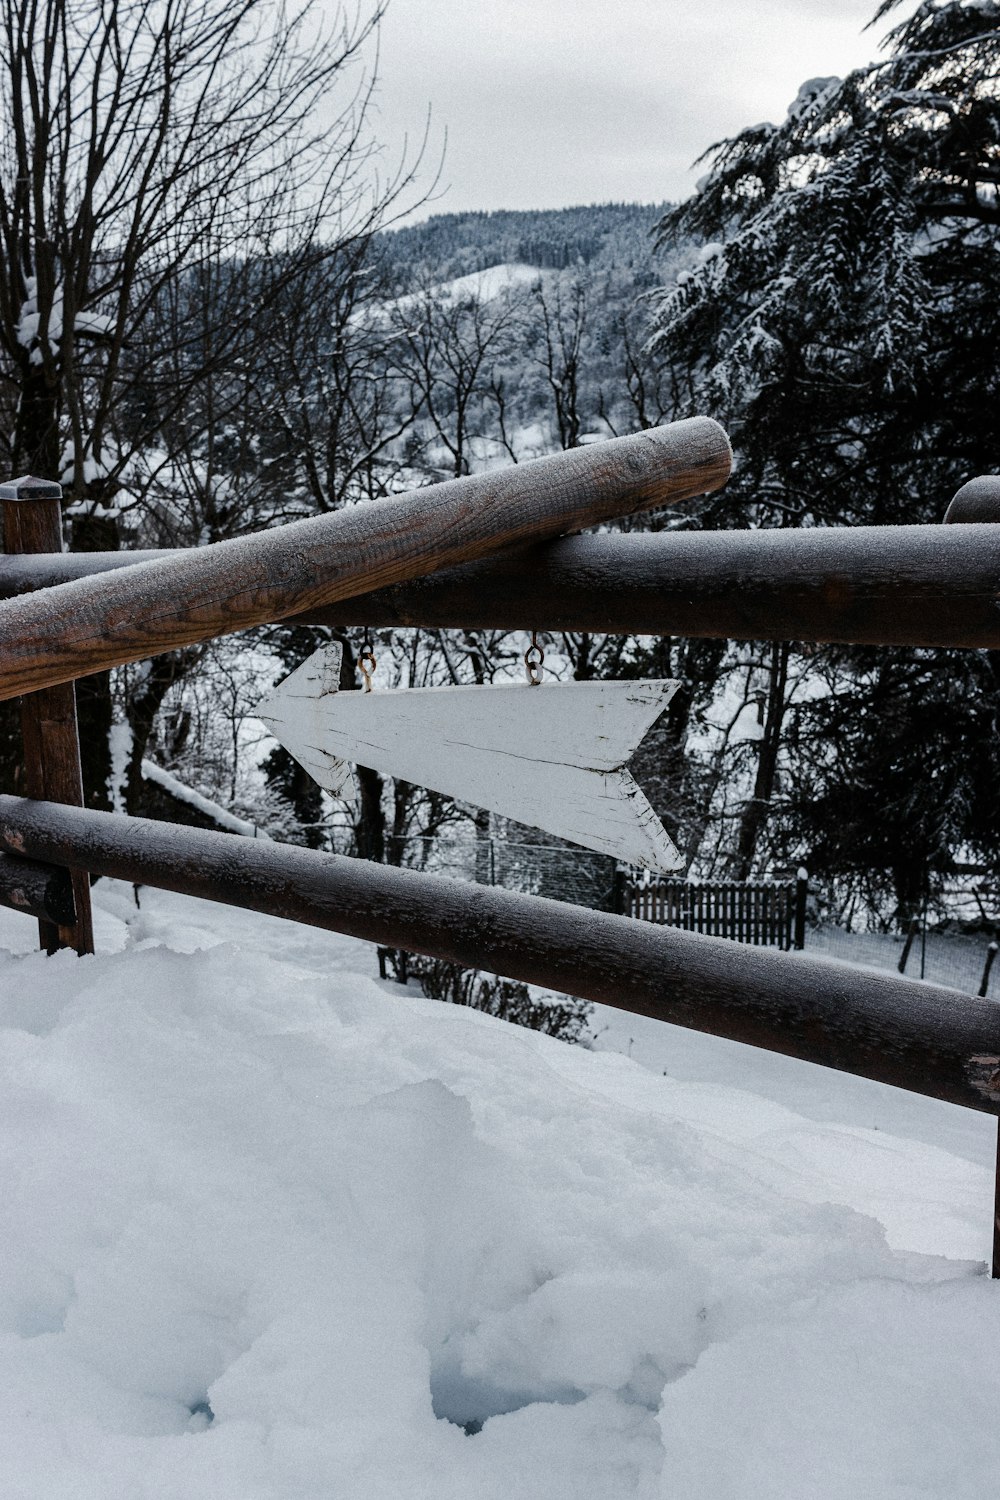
(338, 404)
(450, 347)
(644, 393)
(145, 139)
(563, 312)
(163, 183)
(772, 706)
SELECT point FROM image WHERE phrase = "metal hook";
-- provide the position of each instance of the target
(367, 663)
(534, 659)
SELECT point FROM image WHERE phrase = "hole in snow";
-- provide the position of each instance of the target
(202, 1415)
(469, 1403)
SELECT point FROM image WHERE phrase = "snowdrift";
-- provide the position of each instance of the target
(273, 1229)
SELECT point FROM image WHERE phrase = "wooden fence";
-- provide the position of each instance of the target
(868, 585)
(915, 1036)
(95, 623)
(765, 914)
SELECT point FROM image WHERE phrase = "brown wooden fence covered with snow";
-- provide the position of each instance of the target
(932, 585)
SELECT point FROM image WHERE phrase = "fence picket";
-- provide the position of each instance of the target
(761, 913)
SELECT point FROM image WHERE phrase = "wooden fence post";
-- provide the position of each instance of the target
(32, 523)
(801, 897)
(979, 501)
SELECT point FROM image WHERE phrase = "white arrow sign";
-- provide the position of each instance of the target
(552, 756)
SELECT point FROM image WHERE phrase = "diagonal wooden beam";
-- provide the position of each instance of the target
(101, 622)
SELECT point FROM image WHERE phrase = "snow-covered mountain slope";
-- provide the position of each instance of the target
(492, 282)
(276, 1231)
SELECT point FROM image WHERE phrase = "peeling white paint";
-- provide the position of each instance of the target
(551, 756)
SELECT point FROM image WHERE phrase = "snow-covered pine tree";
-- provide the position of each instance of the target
(843, 317)
(843, 321)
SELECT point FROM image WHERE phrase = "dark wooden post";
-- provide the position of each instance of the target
(979, 501)
(801, 896)
(32, 523)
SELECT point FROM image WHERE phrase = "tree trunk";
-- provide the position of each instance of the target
(161, 674)
(36, 432)
(756, 809)
(371, 819)
(369, 827)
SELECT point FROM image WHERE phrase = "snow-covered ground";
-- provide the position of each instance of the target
(482, 286)
(954, 959)
(277, 1231)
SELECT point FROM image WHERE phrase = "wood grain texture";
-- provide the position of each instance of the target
(884, 585)
(38, 890)
(552, 756)
(49, 734)
(916, 1036)
(101, 622)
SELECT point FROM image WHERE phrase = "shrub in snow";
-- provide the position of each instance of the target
(560, 1016)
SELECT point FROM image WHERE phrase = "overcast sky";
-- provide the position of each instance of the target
(556, 102)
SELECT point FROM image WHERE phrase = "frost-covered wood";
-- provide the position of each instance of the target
(976, 502)
(22, 575)
(552, 756)
(101, 622)
(917, 1036)
(872, 585)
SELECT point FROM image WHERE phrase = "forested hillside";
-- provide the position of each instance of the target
(559, 239)
(534, 324)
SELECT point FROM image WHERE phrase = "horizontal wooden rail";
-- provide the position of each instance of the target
(96, 623)
(870, 585)
(920, 1037)
(39, 890)
(22, 575)
(873, 585)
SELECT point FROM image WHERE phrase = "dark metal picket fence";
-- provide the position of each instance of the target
(766, 914)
